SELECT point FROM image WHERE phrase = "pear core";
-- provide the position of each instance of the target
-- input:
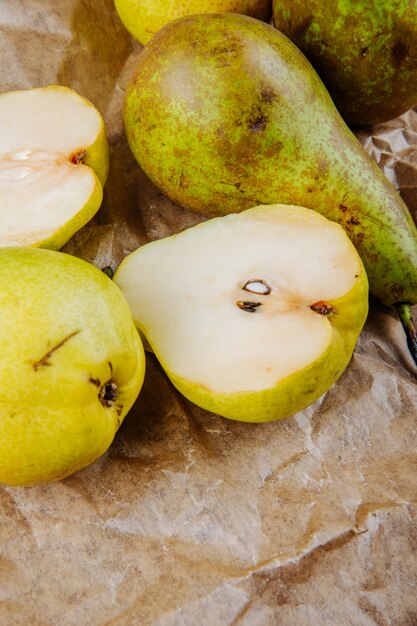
(45, 137)
(241, 302)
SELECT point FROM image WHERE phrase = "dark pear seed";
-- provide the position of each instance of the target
(249, 307)
(256, 285)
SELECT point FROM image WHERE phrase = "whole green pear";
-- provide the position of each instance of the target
(71, 365)
(364, 50)
(224, 113)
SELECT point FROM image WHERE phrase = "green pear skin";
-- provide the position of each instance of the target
(365, 52)
(224, 113)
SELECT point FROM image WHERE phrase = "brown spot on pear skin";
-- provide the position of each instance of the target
(268, 95)
(183, 181)
(44, 360)
(400, 52)
(227, 49)
(258, 124)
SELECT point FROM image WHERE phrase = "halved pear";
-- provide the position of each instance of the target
(54, 160)
(254, 315)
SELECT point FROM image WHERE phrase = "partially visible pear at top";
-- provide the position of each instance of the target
(364, 50)
(224, 113)
(143, 18)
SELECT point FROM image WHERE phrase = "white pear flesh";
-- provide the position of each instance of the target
(268, 358)
(53, 165)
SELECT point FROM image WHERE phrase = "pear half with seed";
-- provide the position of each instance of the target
(254, 315)
(54, 161)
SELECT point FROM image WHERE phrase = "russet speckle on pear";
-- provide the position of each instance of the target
(365, 52)
(224, 113)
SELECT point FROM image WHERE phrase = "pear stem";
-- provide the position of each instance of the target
(108, 271)
(406, 317)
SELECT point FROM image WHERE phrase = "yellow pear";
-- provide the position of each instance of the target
(54, 160)
(72, 364)
(254, 315)
(143, 18)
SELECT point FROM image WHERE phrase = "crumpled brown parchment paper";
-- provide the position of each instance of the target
(191, 519)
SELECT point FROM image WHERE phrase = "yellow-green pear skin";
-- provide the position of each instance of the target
(58, 239)
(224, 113)
(253, 316)
(143, 18)
(71, 365)
(52, 140)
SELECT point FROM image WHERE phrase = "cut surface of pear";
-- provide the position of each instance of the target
(252, 315)
(53, 165)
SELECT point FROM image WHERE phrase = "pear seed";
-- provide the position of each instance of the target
(256, 285)
(249, 307)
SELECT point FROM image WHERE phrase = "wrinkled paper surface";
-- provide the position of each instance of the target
(191, 519)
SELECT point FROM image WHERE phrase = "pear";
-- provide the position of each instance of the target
(72, 364)
(143, 18)
(253, 315)
(365, 52)
(54, 161)
(224, 113)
